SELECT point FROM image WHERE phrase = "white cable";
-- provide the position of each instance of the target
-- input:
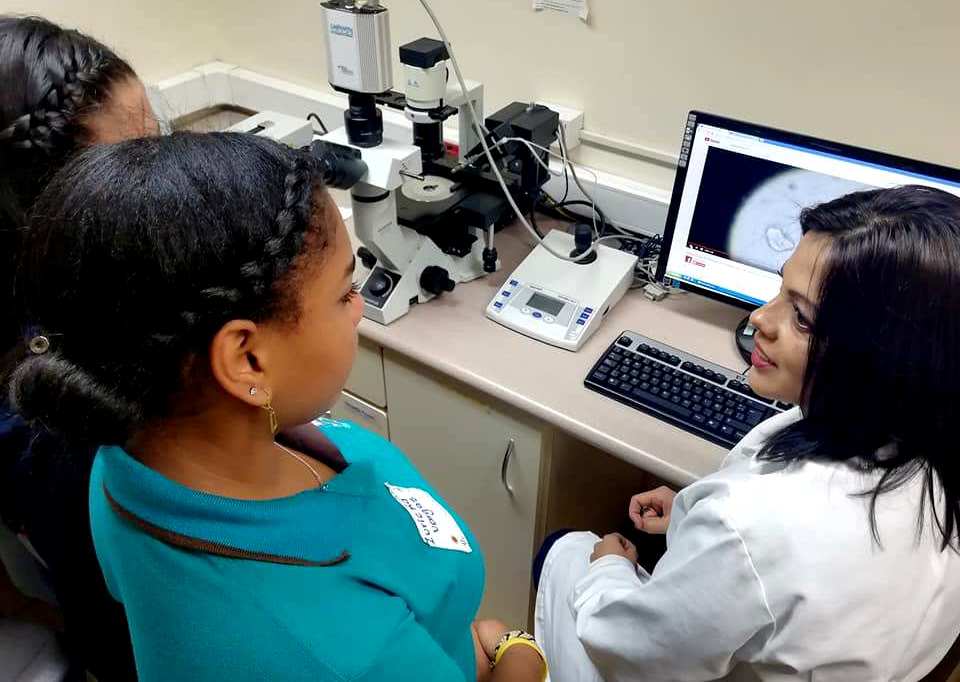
(623, 237)
(486, 148)
(562, 141)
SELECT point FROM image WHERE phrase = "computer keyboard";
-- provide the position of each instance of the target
(710, 401)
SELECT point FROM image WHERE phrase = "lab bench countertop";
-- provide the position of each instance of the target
(452, 335)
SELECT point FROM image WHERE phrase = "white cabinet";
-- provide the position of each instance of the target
(485, 461)
(366, 377)
(352, 409)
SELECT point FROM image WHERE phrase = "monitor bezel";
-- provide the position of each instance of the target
(814, 143)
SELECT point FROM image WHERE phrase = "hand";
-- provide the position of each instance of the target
(650, 511)
(614, 544)
(483, 663)
(486, 636)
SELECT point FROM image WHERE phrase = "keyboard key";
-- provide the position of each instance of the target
(736, 424)
(665, 405)
(741, 387)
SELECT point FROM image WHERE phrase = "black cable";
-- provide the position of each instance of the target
(579, 202)
(555, 211)
(533, 215)
(319, 121)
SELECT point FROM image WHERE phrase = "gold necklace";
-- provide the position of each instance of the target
(303, 461)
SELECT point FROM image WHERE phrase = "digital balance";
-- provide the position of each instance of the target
(562, 302)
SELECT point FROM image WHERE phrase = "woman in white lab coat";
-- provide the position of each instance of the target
(826, 547)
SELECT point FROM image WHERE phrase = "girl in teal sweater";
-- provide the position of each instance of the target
(195, 303)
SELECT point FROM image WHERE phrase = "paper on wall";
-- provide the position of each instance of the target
(577, 8)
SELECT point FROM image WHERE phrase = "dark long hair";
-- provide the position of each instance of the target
(882, 386)
(53, 80)
(138, 253)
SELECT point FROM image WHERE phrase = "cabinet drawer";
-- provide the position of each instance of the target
(353, 409)
(366, 378)
(485, 462)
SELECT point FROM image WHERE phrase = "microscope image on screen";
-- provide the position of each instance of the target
(748, 208)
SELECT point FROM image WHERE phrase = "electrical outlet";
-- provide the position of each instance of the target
(572, 122)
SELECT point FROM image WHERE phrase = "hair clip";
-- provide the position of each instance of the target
(39, 345)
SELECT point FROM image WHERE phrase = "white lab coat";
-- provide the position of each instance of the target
(771, 573)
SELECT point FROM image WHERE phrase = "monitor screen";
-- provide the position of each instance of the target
(734, 218)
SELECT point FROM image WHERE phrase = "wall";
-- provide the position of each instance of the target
(879, 73)
(159, 39)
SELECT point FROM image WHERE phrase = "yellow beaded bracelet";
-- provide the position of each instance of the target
(520, 640)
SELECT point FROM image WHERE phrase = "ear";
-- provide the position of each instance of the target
(239, 356)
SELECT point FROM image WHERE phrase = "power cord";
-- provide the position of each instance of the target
(646, 269)
(316, 117)
(482, 134)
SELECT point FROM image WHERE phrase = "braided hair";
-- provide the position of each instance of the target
(53, 80)
(139, 253)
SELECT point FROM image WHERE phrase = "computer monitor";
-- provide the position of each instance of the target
(734, 215)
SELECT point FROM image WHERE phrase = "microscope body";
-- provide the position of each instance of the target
(405, 266)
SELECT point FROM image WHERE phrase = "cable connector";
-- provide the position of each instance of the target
(490, 260)
(655, 292)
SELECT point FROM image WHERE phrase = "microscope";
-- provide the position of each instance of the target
(426, 215)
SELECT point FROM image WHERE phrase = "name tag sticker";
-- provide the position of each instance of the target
(434, 523)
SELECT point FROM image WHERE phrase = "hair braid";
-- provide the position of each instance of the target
(77, 77)
(258, 277)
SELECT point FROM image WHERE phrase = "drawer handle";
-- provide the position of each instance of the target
(505, 467)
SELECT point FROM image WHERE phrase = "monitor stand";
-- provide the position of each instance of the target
(745, 332)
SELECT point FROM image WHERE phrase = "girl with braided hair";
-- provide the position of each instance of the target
(62, 91)
(195, 310)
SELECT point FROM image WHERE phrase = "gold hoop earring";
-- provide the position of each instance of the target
(271, 413)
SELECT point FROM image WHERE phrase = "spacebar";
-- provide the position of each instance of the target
(661, 404)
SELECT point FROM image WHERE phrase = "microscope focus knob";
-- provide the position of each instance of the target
(366, 257)
(379, 284)
(436, 280)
